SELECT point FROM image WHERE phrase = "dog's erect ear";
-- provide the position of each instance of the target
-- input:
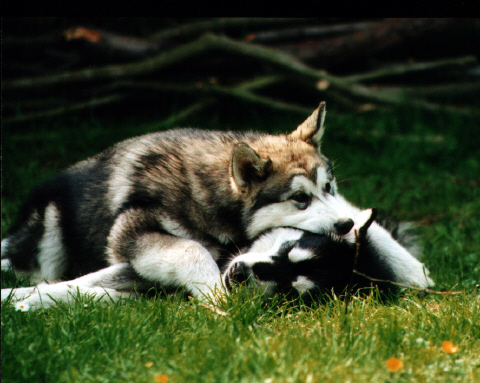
(311, 130)
(248, 166)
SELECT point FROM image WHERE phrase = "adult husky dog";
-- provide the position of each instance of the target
(163, 208)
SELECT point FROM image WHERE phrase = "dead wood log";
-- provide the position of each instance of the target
(283, 61)
(347, 89)
(241, 92)
(112, 43)
(302, 33)
(373, 38)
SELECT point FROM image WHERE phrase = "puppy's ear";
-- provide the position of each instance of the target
(311, 130)
(248, 167)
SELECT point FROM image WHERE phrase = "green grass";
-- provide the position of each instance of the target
(383, 159)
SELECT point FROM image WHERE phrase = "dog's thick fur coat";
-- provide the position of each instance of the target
(167, 208)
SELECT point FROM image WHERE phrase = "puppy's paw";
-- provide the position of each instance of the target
(416, 275)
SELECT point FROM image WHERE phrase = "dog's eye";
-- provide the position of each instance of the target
(302, 199)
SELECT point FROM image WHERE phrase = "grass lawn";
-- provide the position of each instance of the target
(409, 165)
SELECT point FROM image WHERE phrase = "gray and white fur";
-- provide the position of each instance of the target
(170, 208)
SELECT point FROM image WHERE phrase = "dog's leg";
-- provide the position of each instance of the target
(177, 262)
(387, 259)
(405, 267)
(104, 284)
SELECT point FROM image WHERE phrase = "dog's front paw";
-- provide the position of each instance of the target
(416, 275)
(38, 298)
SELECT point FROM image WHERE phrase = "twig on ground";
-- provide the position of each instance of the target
(402, 285)
(348, 293)
(216, 310)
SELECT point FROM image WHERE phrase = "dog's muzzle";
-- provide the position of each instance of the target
(343, 226)
(238, 273)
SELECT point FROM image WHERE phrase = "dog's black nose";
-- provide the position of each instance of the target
(343, 226)
(242, 272)
(238, 273)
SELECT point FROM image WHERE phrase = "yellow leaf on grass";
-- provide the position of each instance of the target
(449, 347)
(161, 378)
(148, 364)
(394, 364)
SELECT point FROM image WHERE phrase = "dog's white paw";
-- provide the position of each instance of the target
(416, 275)
(7, 293)
(18, 293)
(38, 297)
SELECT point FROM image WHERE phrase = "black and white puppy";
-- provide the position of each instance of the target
(300, 263)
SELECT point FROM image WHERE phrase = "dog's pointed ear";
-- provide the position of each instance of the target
(248, 167)
(311, 130)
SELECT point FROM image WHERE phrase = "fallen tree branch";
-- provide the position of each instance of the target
(240, 92)
(113, 71)
(291, 64)
(281, 60)
(185, 113)
(377, 36)
(399, 70)
(303, 32)
(199, 27)
(437, 91)
(112, 42)
(67, 108)
(261, 82)
(250, 97)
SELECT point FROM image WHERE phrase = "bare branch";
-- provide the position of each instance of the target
(283, 61)
(240, 92)
(399, 70)
(185, 113)
(112, 42)
(196, 28)
(67, 108)
(305, 32)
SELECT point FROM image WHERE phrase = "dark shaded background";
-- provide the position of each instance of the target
(39, 48)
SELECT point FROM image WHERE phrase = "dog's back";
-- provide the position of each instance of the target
(63, 226)
(161, 208)
(178, 182)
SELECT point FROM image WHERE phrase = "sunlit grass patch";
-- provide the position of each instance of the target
(161, 336)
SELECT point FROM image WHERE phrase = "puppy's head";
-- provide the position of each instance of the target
(285, 181)
(299, 263)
